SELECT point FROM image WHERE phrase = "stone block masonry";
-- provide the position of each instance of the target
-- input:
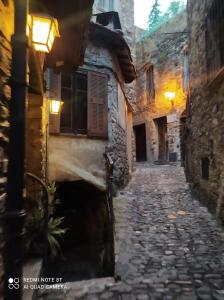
(205, 129)
(118, 150)
(125, 10)
(36, 135)
(6, 30)
(117, 143)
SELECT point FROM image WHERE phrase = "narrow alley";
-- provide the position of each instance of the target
(167, 244)
(111, 150)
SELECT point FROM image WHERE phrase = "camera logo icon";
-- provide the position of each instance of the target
(13, 283)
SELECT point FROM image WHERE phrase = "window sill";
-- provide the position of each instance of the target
(78, 136)
(217, 80)
(73, 135)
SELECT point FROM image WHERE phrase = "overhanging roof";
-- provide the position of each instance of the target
(73, 17)
(115, 42)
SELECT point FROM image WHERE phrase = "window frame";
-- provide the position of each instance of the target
(74, 129)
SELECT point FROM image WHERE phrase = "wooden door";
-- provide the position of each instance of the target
(162, 138)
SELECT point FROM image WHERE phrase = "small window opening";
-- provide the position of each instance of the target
(150, 86)
(205, 164)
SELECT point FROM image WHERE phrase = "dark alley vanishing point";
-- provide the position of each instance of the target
(167, 244)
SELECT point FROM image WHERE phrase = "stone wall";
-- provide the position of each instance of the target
(125, 10)
(117, 148)
(164, 51)
(6, 30)
(117, 129)
(205, 129)
(130, 134)
(36, 135)
(126, 13)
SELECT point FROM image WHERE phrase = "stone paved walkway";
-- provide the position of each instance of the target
(168, 246)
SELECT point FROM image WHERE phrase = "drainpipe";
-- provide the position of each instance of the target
(14, 215)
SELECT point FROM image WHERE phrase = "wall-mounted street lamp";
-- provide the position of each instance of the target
(44, 29)
(55, 106)
(170, 95)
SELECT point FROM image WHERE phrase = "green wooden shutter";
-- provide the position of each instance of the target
(97, 105)
(54, 86)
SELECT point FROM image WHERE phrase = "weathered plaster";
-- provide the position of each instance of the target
(77, 158)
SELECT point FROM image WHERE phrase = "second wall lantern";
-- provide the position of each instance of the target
(55, 106)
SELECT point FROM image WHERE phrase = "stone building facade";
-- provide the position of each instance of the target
(125, 9)
(6, 30)
(36, 102)
(95, 120)
(205, 112)
(85, 151)
(101, 56)
(160, 68)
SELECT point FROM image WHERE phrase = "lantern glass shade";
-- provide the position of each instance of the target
(170, 95)
(55, 106)
(44, 30)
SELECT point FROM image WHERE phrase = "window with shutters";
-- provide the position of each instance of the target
(215, 38)
(85, 107)
(150, 87)
(97, 105)
(74, 109)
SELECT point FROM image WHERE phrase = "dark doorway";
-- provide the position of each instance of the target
(162, 138)
(140, 142)
(86, 244)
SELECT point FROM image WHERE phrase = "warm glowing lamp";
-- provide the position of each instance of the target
(170, 95)
(44, 30)
(55, 106)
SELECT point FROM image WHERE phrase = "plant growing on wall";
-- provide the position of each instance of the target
(35, 228)
(55, 229)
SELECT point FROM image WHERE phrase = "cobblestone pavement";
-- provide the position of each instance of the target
(168, 246)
